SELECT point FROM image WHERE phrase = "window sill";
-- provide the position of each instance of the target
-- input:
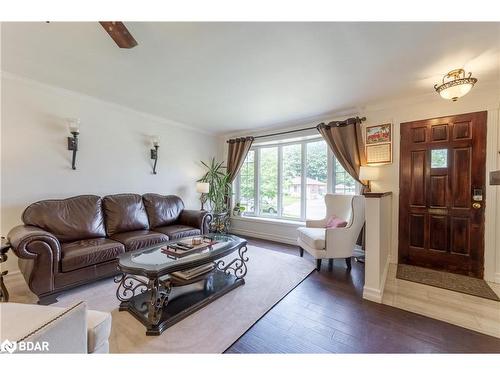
(254, 219)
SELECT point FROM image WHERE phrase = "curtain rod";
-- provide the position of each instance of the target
(351, 120)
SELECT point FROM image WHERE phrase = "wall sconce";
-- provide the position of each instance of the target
(203, 188)
(74, 129)
(154, 151)
(368, 174)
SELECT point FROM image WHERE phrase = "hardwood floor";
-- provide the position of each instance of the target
(327, 314)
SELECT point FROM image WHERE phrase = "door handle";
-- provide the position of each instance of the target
(476, 205)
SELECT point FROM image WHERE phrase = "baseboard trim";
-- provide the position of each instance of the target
(264, 236)
(497, 278)
(372, 294)
(377, 294)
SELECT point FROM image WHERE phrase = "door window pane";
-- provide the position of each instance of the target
(247, 187)
(316, 178)
(343, 183)
(268, 181)
(439, 158)
(291, 181)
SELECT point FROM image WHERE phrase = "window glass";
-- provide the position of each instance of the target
(268, 181)
(247, 187)
(316, 179)
(343, 183)
(291, 180)
(439, 158)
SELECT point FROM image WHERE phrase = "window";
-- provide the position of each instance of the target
(268, 181)
(439, 158)
(288, 179)
(343, 183)
(247, 183)
(316, 181)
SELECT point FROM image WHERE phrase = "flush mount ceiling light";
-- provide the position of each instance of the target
(455, 85)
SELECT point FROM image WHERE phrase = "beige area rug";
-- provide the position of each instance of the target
(271, 275)
(446, 280)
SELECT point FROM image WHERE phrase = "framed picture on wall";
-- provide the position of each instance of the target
(378, 146)
(378, 134)
(379, 154)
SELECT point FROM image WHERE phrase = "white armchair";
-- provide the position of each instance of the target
(332, 243)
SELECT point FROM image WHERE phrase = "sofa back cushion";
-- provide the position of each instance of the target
(162, 209)
(71, 219)
(124, 213)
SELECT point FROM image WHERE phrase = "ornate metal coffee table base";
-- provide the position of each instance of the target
(170, 304)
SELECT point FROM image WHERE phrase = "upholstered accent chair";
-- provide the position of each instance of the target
(333, 243)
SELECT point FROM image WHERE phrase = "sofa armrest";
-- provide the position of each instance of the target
(40, 253)
(196, 219)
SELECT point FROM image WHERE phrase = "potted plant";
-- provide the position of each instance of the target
(218, 195)
(238, 209)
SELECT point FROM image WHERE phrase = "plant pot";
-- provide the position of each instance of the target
(220, 222)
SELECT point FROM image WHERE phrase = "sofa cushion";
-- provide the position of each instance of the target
(124, 213)
(139, 239)
(88, 252)
(162, 209)
(70, 219)
(178, 231)
(98, 331)
(313, 237)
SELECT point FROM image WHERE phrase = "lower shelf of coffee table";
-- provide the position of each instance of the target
(183, 300)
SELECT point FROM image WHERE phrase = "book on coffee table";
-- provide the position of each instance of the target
(179, 249)
(194, 272)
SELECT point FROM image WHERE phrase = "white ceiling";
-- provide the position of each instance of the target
(225, 77)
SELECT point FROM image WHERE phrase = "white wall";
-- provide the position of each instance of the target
(378, 246)
(113, 154)
(481, 98)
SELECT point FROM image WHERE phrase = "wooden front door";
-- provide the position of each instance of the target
(442, 193)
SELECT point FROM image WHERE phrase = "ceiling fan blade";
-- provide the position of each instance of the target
(119, 33)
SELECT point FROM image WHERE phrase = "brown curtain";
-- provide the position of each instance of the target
(346, 142)
(237, 152)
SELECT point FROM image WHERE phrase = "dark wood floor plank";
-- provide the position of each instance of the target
(327, 314)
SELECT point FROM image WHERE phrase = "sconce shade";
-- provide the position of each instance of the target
(368, 173)
(202, 187)
(74, 125)
(155, 140)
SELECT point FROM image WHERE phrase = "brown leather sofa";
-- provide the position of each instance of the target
(70, 242)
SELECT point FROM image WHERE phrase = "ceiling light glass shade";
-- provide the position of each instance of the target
(455, 85)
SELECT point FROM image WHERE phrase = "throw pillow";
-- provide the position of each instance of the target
(335, 222)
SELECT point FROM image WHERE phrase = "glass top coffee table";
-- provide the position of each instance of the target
(163, 284)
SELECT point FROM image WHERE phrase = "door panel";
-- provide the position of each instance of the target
(442, 162)
(417, 195)
(461, 177)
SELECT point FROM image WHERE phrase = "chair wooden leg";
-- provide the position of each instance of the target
(301, 252)
(318, 265)
(348, 263)
(330, 264)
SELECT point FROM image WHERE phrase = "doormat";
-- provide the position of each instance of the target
(446, 280)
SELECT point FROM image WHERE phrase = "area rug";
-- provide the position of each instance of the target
(271, 276)
(446, 280)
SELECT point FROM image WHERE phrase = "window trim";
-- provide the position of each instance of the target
(303, 201)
